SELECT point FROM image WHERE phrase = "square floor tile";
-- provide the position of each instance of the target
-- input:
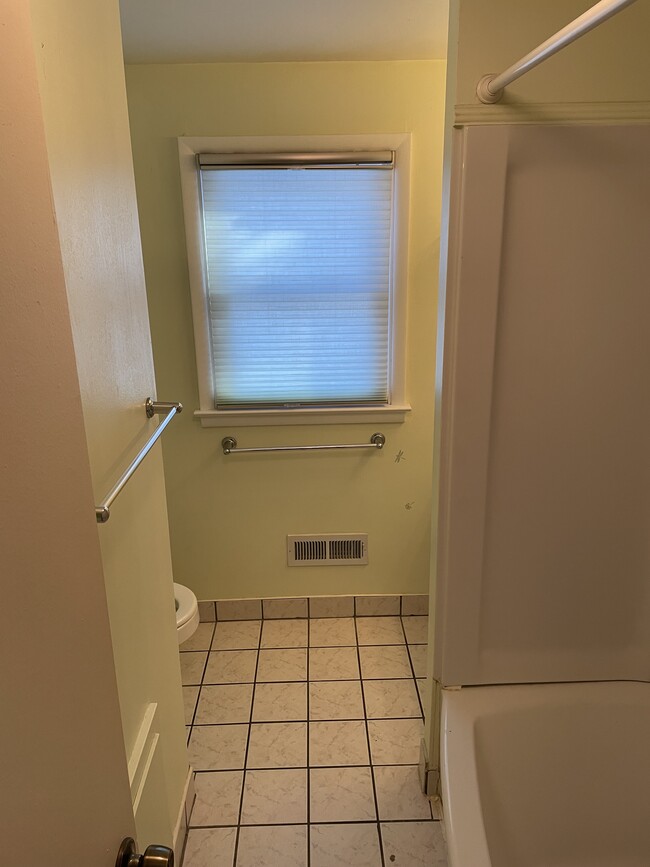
(237, 635)
(380, 630)
(285, 609)
(207, 612)
(274, 797)
(333, 663)
(277, 745)
(216, 748)
(272, 847)
(210, 847)
(284, 633)
(387, 699)
(218, 794)
(417, 629)
(376, 606)
(345, 846)
(273, 789)
(341, 795)
(414, 844)
(334, 700)
(332, 632)
(231, 666)
(227, 703)
(278, 666)
(190, 695)
(192, 665)
(419, 659)
(280, 702)
(379, 663)
(399, 795)
(201, 639)
(338, 743)
(395, 741)
(415, 604)
(239, 609)
(331, 606)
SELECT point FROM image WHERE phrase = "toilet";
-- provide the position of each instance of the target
(187, 612)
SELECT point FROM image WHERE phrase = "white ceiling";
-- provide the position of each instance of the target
(203, 31)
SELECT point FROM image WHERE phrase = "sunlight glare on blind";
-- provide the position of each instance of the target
(298, 275)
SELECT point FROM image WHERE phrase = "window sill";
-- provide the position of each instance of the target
(256, 417)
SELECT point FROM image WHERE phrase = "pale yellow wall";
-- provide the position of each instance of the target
(84, 104)
(65, 792)
(608, 65)
(229, 516)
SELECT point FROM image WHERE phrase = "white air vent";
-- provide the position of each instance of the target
(348, 549)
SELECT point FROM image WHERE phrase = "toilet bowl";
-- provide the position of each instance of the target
(187, 612)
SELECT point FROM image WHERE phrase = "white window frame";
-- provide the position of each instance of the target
(400, 144)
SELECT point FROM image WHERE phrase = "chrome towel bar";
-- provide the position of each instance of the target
(229, 445)
(152, 407)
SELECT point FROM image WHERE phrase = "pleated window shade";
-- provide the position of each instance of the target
(298, 264)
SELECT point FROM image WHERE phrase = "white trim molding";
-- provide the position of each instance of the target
(400, 144)
(340, 415)
(552, 112)
(183, 818)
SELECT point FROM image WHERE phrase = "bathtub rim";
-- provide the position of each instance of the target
(461, 709)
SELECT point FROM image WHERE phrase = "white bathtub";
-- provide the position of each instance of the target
(548, 775)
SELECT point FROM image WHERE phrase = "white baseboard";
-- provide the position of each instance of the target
(301, 607)
(182, 821)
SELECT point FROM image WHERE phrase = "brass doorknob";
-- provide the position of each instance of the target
(154, 856)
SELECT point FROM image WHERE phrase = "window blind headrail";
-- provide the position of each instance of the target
(335, 160)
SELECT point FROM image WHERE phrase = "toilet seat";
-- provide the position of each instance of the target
(187, 612)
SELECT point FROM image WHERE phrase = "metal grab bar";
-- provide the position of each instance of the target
(152, 407)
(490, 87)
(229, 445)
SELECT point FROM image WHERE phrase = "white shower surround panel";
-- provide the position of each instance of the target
(542, 561)
(542, 538)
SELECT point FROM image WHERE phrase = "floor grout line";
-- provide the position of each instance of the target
(308, 771)
(315, 767)
(305, 646)
(307, 768)
(248, 741)
(417, 691)
(372, 771)
(198, 695)
(368, 822)
(335, 720)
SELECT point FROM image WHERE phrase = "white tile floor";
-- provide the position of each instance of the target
(305, 738)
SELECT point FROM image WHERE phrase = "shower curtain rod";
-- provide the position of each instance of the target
(151, 407)
(490, 87)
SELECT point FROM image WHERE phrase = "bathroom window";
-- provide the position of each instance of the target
(294, 264)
